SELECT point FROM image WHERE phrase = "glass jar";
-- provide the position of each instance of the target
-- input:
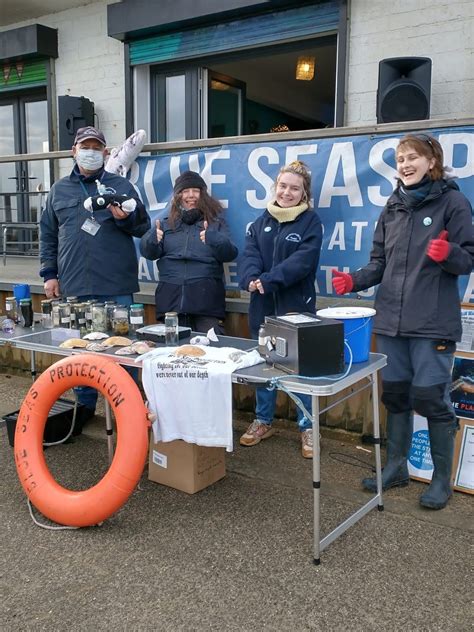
(171, 329)
(120, 320)
(11, 309)
(137, 317)
(65, 315)
(26, 310)
(109, 314)
(262, 341)
(46, 314)
(88, 312)
(80, 309)
(72, 302)
(55, 313)
(98, 317)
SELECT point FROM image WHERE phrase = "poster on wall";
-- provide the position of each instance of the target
(420, 464)
(352, 179)
(464, 458)
(462, 388)
(467, 339)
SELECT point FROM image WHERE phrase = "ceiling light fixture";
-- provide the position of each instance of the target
(305, 68)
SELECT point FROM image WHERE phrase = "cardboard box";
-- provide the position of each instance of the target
(185, 466)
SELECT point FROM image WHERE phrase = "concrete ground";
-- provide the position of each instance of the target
(238, 555)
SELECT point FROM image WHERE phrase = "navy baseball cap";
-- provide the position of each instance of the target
(83, 133)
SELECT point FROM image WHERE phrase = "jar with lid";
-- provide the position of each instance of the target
(171, 328)
(262, 341)
(11, 309)
(65, 315)
(98, 317)
(80, 309)
(120, 320)
(46, 314)
(55, 317)
(137, 317)
(26, 310)
(72, 301)
(109, 314)
(88, 313)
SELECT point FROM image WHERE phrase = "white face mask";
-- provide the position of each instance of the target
(90, 159)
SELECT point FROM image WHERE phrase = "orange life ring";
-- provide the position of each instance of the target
(93, 505)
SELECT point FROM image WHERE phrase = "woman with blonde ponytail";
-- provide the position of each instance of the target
(278, 269)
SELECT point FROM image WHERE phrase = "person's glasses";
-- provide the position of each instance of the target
(425, 138)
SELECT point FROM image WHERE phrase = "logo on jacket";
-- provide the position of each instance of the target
(293, 237)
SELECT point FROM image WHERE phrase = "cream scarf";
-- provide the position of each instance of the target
(286, 214)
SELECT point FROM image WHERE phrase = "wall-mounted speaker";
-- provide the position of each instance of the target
(404, 89)
(73, 113)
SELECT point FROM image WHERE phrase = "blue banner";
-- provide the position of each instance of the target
(352, 178)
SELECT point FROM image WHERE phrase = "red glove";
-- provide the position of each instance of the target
(438, 249)
(342, 282)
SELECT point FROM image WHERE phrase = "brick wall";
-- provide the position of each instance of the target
(443, 31)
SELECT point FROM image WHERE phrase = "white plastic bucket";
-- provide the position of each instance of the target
(357, 329)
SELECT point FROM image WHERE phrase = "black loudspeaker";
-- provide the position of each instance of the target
(73, 113)
(404, 89)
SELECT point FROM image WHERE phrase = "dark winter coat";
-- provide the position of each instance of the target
(100, 264)
(284, 256)
(190, 271)
(418, 297)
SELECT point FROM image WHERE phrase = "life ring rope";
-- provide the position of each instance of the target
(91, 506)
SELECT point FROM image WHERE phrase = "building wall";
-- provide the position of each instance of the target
(90, 64)
(442, 30)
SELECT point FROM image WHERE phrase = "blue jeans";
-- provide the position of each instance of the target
(265, 408)
(87, 395)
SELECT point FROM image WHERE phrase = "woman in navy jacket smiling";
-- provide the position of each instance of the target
(190, 246)
(278, 269)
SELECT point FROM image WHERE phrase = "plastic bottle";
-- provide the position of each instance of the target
(262, 340)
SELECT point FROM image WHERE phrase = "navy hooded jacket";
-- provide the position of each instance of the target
(285, 257)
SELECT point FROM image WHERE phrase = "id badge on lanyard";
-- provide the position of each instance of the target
(91, 226)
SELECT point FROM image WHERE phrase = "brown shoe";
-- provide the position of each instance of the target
(307, 443)
(255, 433)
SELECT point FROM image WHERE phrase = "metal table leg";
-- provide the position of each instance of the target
(316, 475)
(4, 245)
(378, 460)
(375, 501)
(33, 365)
(109, 430)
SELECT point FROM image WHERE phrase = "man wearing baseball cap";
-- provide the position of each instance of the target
(90, 254)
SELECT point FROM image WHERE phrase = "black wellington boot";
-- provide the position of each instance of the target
(442, 436)
(399, 437)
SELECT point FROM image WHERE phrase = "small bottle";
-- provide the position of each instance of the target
(171, 329)
(80, 309)
(262, 341)
(72, 301)
(137, 317)
(98, 318)
(46, 314)
(120, 320)
(55, 317)
(88, 312)
(26, 309)
(11, 308)
(109, 314)
(65, 315)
